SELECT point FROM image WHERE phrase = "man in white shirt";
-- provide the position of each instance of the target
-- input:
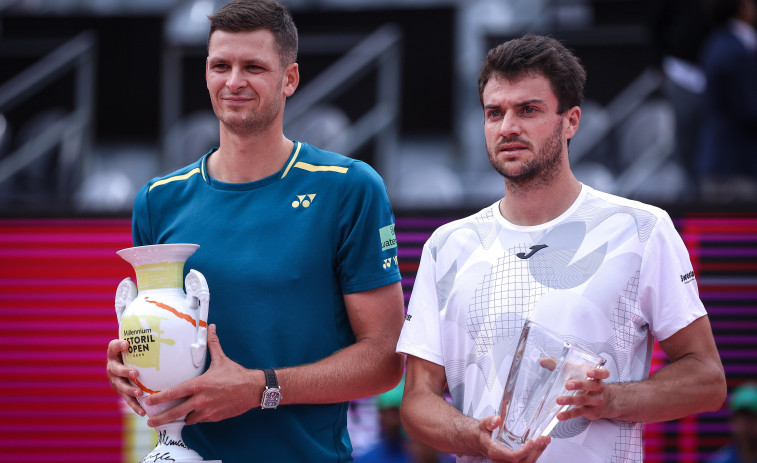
(606, 272)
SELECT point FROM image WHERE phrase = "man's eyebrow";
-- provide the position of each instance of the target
(520, 103)
(247, 62)
(531, 101)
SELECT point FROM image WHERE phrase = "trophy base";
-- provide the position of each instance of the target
(176, 455)
(171, 447)
(508, 439)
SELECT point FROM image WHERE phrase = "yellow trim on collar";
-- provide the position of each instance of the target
(314, 168)
(196, 170)
(294, 158)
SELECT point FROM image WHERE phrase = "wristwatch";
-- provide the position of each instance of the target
(272, 392)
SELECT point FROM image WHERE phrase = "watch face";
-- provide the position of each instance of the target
(271, 398)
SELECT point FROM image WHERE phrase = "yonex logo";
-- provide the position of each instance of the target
(388, 262)
(408, 316)
(534, 249)
(304, 200)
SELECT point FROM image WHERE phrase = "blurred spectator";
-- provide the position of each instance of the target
(679, 29)
(728, 140)
(394, 445)
(743, 449)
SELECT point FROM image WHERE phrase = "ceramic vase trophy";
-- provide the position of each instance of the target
(542, 364)
(166, 330)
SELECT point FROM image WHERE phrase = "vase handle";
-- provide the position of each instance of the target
(125, 293)
(198, 297)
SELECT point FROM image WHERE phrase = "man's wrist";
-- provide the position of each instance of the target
(271, 397)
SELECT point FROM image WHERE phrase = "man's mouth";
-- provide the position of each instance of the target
(511, 147)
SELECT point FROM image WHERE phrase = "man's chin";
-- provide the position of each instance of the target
(512, 170)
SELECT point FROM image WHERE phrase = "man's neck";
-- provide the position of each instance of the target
(247, 158)
(526, 206)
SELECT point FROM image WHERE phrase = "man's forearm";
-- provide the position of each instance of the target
(363, 369)
(431, 419)
(685, 387)
(368, 367)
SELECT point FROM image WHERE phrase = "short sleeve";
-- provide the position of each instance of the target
(366, 256)
(669, 296)
(140, 219)
(421, 332)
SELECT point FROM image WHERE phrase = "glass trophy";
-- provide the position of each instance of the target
(543, 362)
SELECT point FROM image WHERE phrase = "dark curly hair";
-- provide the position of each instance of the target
(533, 55)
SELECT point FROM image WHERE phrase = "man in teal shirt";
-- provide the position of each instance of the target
(297, 245)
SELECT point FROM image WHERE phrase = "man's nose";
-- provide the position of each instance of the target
(235, 80)
(509, 125)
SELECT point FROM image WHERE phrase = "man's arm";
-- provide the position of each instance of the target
(428, 417)
(693, 382)
(367, 367)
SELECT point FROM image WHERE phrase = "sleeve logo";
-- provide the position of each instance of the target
(388, 239)
(687, 277)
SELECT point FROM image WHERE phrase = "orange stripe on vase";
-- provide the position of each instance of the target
(183, 316)
(144, 388)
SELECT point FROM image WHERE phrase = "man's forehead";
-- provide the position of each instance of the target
(521, 88)
(258, 38)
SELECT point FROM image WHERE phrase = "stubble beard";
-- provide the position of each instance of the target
(250, 121)
(537, 173)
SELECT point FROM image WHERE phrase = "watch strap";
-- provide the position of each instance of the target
(270, 378)
(272, 392)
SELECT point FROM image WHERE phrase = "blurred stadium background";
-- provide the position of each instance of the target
(99, 96)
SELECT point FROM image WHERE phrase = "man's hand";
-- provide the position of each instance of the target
(592, 399)
(529, 453)
(225, 390)
(119, 375)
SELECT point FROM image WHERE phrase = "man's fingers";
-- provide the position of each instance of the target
(529, 452)
(490, 423)
(598, 373)
(550, 363)
(214, 343)
(172, 414)
(193, 418)
(589, 385)
(134, 404)
(115, 347)
(179, 391)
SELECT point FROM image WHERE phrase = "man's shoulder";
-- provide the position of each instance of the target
(480, 223)
(314, 154)
(313, 159)
(601, 198)
(177, 177)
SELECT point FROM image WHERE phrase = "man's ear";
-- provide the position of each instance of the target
(291, 79)
(573, 120)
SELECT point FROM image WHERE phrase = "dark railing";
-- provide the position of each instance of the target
(72, 131)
